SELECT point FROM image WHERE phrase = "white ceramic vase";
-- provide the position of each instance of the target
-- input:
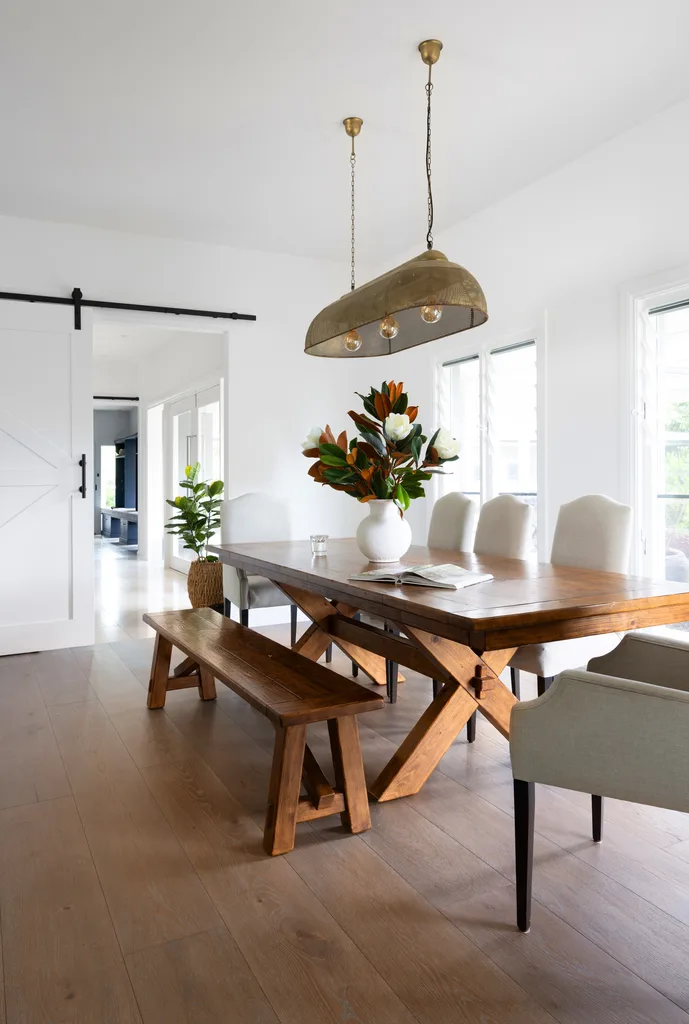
(384, 535)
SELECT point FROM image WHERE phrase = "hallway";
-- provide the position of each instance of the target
(126, 587)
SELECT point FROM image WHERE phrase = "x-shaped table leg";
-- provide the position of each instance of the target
(473, 684)
(316, 639)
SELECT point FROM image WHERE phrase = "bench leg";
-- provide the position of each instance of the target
(285, 787)
(349, 772)
(206, 684)
(160, 671)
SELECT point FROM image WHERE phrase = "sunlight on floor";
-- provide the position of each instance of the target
(126, 587)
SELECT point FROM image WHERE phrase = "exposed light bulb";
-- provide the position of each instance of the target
(352, 341)
(431, 314)
(389, 328)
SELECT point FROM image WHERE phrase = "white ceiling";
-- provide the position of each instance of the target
(219, 120)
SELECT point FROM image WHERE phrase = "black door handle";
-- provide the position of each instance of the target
(82, 463)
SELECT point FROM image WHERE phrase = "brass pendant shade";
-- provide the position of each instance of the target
(428, 279)
(426, 298)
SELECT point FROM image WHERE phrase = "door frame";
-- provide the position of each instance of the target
(177, 324)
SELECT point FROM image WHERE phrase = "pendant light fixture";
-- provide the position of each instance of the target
(421, 300)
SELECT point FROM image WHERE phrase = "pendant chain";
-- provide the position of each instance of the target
(352, 163)
(429, 90)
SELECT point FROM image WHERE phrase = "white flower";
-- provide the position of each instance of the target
(397, 426)
(313, 439)
(445, 444)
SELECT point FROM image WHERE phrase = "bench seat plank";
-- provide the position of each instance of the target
(275, 680)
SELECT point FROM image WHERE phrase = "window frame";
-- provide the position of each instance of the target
(484, 345)
(638, 448)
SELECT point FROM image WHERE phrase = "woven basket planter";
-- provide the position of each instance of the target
(204, 584)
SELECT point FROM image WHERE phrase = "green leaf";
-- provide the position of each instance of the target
(376, 441)
(416, 449)
(216, 488)
(334, 451)
(330, 460)
(401, 404)
(384, 389)
(402, 498)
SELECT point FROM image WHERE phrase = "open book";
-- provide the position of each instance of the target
(447, 577)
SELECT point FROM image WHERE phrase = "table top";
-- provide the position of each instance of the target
(526, 602)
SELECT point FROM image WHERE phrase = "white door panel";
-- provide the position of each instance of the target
(46, 424)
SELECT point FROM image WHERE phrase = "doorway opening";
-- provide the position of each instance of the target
(173, 416)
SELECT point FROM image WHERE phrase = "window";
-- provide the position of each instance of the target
(664, 450)
(488, 400)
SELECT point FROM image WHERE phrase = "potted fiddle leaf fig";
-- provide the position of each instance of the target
(196, 519)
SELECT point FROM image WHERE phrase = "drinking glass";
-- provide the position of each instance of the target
(319, 543)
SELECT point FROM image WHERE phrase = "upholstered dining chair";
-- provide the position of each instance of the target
(504, 527)
(254, 517)
(453, 523)
(618, 729)
(592, 532)
(452, 527)
(504, 530)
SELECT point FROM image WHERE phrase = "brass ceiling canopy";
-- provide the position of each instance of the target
(426, 298)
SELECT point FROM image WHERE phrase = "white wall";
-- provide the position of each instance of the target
(562, 250)
(275, 392)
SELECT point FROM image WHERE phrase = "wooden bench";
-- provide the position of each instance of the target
(292, 692)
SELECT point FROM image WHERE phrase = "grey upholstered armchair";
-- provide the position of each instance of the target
(619, 729)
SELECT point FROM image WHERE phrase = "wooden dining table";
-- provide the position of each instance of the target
(463, 638)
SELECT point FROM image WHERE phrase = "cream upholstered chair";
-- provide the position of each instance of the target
(453, 522)
(254, 517)
(504, 529)
(593, 532)
(452, 526)
(619, 730)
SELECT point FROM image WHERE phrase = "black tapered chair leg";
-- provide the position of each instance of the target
(437, 687)
(244, 616)
(516, 683)
(543, 683)
(293, 624)
(524, 802)
(391, 672)
(355, 667)
(597, 816)
(228, 608)
(471, 728)
(329, 654)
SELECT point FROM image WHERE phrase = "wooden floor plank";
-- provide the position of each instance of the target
(307, 966)
(639, 935)
(30, 765)
(577, 981)
(152, 892)
(61, 957)
(439, 974)
(116, 687)
(60, 678)
(203, 979)
(150, 737)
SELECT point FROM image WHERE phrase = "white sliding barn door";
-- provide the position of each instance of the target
(46, 526)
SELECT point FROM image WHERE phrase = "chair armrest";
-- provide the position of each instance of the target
(647, 658)
(605, 735)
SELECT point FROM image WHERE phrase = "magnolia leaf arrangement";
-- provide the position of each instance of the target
(197, 512)
(391, 458)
